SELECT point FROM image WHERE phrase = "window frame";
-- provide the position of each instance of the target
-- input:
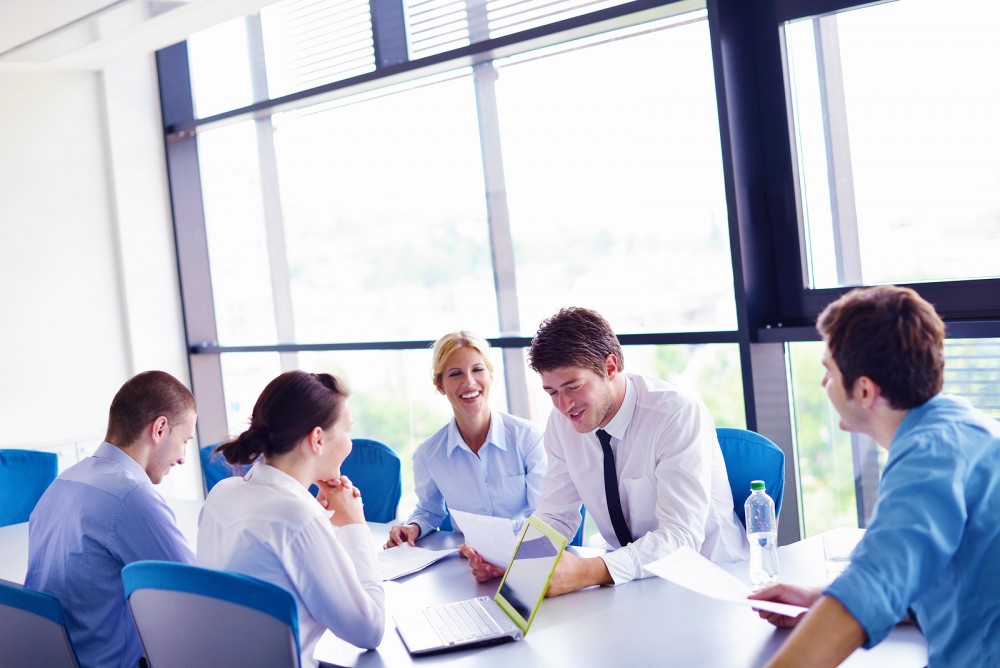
(773, 306)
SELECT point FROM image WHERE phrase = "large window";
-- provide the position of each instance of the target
(353, 179)
(898, 148)
(483, 197)
(614, 179)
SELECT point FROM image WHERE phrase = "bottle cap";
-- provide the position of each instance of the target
(756, 485)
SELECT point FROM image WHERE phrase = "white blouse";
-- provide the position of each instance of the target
(268, 526)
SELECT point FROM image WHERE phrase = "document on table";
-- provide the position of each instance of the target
(493, 537)
(687, 568)
(405, 559)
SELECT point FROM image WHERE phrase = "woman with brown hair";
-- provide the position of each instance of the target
(267, 525)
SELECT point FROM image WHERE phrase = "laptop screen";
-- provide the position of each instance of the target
(527, 578)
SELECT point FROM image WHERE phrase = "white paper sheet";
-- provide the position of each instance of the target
(493, 537)
(405, 559)
(687, 568)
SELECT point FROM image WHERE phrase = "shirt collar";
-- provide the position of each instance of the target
(619, 423)
(494, 436)
(264, 473)
(913, 417)
(112, 452)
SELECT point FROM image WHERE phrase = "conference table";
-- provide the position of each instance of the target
(648, 622)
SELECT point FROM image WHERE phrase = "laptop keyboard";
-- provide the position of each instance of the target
(461, 621)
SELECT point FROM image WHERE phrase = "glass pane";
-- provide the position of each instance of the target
(244, 376)
(825, 466)
(614, 180)
(896, 140)
(711, 370)
(393, 399)
(220, 68)
(972, 370)
(385, 216)
(237, 243)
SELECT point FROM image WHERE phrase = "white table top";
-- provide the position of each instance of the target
(648, 622)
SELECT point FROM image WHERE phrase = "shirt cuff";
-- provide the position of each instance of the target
(623, 565)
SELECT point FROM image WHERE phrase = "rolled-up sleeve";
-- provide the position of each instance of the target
(337, 570)
(915, 530)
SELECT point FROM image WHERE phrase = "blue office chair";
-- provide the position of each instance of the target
(214, 467)
(24, 477)
(375, 469)
(578, 538)
(193, 616)
(33, 630)
(750, 456)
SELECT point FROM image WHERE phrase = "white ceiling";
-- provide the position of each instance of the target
(91, 34)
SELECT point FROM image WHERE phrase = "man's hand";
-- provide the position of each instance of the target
(573, 573)
(400, 534)
(482, 570)
(785, 593)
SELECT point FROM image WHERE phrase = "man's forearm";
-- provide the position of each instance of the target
(825, 637)
(575, 573)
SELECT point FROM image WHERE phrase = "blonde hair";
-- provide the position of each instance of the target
(448, 344)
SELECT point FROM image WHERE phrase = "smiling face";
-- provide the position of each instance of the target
(172, 447)
(586, 399)
(466, 382)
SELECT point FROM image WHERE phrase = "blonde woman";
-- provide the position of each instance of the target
(483, 461)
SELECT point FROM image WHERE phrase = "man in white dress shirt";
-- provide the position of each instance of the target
(667, 466)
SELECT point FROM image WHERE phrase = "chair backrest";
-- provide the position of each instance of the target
(214, 467)
(193, 616)
(375, 469)
(32, 630)
(750, 456)
(24, 477)
(578, 538)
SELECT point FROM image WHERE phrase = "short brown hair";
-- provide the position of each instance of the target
(575, 337)
(142, 399)
(890, 334)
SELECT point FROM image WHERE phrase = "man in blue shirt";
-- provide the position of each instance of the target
(933, 544)
(103, 513)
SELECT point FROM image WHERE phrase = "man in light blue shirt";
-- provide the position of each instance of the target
(933, 544)
(103, 513)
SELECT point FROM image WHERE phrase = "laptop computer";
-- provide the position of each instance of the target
(484, 620)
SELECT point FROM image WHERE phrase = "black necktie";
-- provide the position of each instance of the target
(611, 490)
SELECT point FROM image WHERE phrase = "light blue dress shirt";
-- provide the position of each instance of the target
(504, 480)
(934, 540)
(97, 516)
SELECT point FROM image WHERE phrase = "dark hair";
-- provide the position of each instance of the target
(142, 399)
(574, 337)
(292, 405)
(890, 334)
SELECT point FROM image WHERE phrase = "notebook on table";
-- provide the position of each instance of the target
(485, 620)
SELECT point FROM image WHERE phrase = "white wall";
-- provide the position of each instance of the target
(88, 282)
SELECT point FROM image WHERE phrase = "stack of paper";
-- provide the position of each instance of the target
(405, 559)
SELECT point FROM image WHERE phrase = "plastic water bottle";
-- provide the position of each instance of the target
(762, 532)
